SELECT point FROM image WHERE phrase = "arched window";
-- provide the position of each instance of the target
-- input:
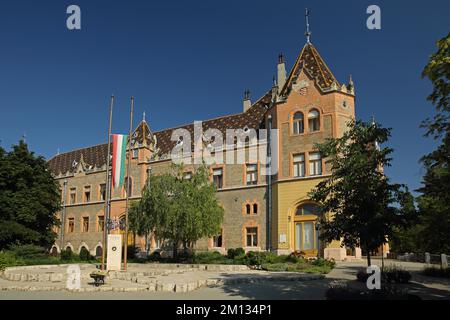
(298, 124)
(128, 185)
(98, 251)
(255, 208)
(307, 209)
(314, 120)
(247, 208)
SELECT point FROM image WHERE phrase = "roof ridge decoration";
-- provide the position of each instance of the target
(314, 66)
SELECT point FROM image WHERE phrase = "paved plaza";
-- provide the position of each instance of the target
(173, 282)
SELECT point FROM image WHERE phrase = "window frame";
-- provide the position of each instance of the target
(222, 180)
(254, 174)
(314, 120)
(253, 236)
(69, 225)
(298, 165)
(74, 193)
(83, 218)
(299, 123)
(316, 164)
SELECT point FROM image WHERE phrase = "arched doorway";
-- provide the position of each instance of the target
(98, 251)
(54, 251)
(306, 235)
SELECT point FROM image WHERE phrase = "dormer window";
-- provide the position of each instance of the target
(298, 126)
(314, 120)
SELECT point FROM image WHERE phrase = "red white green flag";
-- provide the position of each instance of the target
(118, 159)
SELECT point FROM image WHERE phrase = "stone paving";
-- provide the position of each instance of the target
(142, 277)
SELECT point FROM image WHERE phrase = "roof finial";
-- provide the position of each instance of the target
(308, 32)
(143, 116)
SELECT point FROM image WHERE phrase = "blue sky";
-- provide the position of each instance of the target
(192, 60)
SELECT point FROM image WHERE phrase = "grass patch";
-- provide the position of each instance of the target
(316, 266)
(27, 255)
(259, 260)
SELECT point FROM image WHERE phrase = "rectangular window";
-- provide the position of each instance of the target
(218, 178)
(252, 237)
(315, 164)
(217, 240)
(73, 195)
(252, 174)
(135, 153)
(70, 225)
(85, 224)
(87, 194)
(308, 236)
(101, 223)
(103, 191)
(299, 165)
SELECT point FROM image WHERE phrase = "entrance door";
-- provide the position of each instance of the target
(305, 237)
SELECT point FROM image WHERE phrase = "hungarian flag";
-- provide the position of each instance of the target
(118, 159)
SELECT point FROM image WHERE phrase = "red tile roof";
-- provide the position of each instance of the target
(96, 155)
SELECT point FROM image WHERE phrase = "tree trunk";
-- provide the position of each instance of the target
(368, 258)
(146, 245)
(175, 249)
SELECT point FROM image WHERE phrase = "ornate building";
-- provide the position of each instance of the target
(262, 212)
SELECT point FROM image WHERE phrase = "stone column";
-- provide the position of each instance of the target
(444, 262)
(427, 258)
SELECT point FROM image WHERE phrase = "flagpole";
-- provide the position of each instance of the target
(127, 188)
(107, 187)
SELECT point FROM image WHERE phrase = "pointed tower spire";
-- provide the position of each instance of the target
(308, 32)
(143, 116)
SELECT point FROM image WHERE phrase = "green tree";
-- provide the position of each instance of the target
(178, 209)
(29, 198)
(434, 201)
(359, 204)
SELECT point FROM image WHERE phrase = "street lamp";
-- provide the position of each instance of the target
(318, 240)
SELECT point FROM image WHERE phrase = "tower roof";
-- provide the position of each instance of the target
(312, 63)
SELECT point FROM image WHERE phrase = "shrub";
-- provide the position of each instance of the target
(233, 253)
(67, 255)
(9, 259)
(209, 257)
(436, 272)
(154, 256)
(131, 252)
(392, 274)
(183, 256)
(85, 255)
(28, 251)
(395, 275)
(362, 276)
(255, 258)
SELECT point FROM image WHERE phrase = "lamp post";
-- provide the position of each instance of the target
(318, 240)
(147, 240)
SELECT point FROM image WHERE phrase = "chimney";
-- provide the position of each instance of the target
(246, 102)
(281, 67)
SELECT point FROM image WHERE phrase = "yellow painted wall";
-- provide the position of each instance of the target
(287, 195)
